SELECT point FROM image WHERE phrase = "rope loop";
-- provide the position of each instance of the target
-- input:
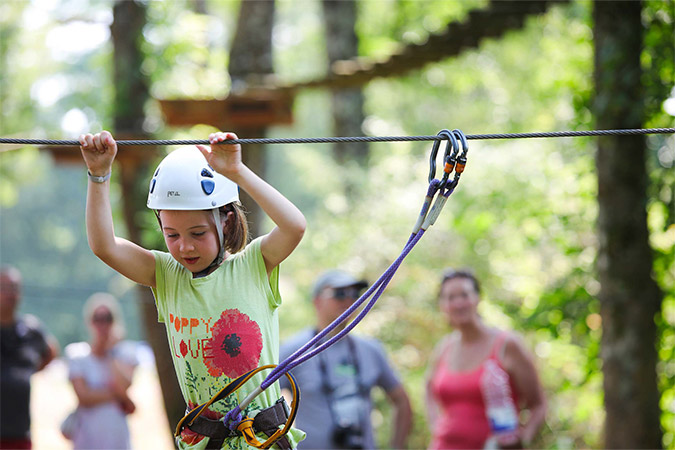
(233, 418)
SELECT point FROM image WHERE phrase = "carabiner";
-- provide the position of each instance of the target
(450, 157)
(434, 151)
(461, 159)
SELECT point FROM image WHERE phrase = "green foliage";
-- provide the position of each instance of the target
(658, 56)
(658, 61)
(522, 218)
(405, 21)
(186, 51)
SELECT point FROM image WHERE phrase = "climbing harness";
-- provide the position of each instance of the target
(266, 421)
(454, 158)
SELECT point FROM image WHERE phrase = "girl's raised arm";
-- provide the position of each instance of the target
(129, 259)
(290, 222)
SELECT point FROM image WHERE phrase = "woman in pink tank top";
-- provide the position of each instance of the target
(455, 398)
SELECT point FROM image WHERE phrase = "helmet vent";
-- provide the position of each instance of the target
(208, 186)
(152, 185)
(206, 173)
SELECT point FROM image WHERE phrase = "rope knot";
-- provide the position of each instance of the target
(233, 418)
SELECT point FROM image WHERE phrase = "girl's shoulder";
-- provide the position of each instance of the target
(250, 248)
(249, 259)
(162, 256)
(167, 268)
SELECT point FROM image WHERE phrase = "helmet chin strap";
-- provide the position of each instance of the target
(221, 238)
(221, 243)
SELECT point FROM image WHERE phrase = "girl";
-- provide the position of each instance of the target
(101, 372)
(217, 296)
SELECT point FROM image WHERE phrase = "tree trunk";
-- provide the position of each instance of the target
(131, 90)
(347, 103)
(199, 6)
(629, 296)
(251, 52)
(250, 63)
(131, 94)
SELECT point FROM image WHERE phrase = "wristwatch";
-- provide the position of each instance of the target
(96, 179)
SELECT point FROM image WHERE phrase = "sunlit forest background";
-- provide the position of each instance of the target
(523, 217)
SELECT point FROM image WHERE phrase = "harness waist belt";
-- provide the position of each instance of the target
(266, 421)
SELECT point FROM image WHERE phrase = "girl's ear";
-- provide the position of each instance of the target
(228, 217)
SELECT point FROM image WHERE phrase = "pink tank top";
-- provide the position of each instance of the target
(462, 423)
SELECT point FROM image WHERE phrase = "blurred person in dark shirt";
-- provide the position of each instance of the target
(26, 348)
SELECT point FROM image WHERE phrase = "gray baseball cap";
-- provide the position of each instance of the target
(336, 279)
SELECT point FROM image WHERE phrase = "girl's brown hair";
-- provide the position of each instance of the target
(235, 230)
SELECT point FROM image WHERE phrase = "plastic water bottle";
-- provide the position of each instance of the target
(500, 410)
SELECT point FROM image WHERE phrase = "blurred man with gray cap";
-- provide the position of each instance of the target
(336, 384)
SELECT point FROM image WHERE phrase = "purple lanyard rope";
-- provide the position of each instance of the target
(301, 355)
(427, 217)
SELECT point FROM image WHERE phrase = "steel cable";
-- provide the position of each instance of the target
(326, 140)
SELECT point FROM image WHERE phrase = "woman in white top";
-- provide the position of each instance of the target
(101, 372)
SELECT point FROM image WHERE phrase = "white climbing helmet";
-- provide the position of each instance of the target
(185, 181)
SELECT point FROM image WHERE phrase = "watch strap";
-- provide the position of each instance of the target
(96, 179)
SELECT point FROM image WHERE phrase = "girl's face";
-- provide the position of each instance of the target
(191, 237)
(458, 301)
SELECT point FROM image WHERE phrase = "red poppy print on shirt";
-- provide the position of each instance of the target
(235, 345)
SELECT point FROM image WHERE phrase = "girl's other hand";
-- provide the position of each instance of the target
(98, 151)
(224, 158)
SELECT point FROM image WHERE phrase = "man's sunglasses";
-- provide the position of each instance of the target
(351, 293)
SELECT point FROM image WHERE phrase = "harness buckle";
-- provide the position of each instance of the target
(245, 427)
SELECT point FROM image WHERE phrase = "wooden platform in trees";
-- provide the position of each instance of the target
(498, 18)
(271, 104)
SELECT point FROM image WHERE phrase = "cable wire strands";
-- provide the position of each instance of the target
(327, 140)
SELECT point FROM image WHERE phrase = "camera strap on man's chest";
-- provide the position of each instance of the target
(266, 421)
